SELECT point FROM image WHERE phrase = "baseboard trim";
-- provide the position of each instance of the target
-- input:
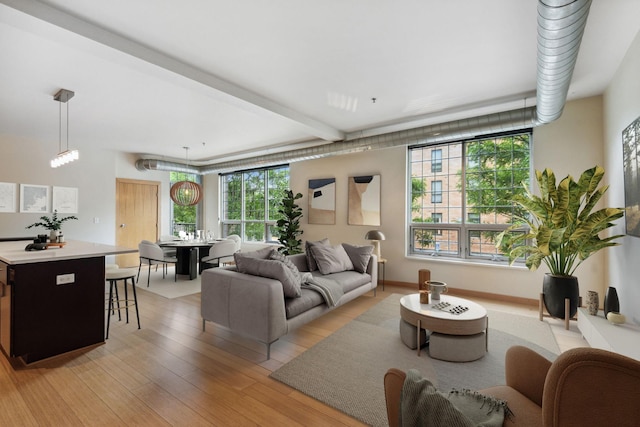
(478, 294)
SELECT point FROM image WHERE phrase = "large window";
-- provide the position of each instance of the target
(249, 202)
(184, 218)
(460, 197)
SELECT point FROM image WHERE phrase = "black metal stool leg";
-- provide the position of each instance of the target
(135, 299)
(126, 299)
(110, 308)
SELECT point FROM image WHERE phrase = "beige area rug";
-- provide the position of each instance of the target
(346, 369)
(167, 287)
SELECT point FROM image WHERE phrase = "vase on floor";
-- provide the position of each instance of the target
(593, 302)
(611, 302)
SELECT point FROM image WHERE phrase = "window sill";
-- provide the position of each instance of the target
(469, 262)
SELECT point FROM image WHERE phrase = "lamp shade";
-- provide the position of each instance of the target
(374, 235)
(186, 193)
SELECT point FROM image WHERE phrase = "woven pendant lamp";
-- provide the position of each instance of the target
(186, 193)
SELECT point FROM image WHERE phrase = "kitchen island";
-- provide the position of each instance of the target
(52, 301)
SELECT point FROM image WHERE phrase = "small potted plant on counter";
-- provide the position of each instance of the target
(53, 224)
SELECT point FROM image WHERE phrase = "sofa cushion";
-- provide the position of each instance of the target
(331, 259)
(308, 299)
(311, 262)
(359, 256)
(278, 256)
(263, 253)
(349, 280)
(273, 270)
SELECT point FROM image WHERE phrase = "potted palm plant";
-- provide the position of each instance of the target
(561, 231)
(53, 224)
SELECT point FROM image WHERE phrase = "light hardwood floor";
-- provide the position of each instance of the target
(171, 373)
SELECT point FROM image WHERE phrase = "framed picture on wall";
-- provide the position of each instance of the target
(34, 198)
(7, 197)
(322, 201)
(630, 163)
(65, 200)
(364, 200)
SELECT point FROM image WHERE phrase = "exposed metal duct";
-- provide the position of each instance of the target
(432, 134)
(161, 165)
(561, 25)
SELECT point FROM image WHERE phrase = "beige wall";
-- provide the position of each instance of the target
(621, 107)
(568, 146)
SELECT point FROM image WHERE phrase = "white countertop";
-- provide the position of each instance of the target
(14, 253)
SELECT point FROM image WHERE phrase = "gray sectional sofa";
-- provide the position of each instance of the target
(265, 308)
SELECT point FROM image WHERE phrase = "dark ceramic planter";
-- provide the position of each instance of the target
(556, 289)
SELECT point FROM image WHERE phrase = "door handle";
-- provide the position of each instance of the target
(123, 225)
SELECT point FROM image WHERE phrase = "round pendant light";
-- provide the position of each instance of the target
(186, 193)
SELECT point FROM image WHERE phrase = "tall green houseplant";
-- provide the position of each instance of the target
(563, 231)
(289, 223)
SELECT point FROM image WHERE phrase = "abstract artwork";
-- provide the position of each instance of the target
(630, 153)
(65, 200)
(322, 201)
(364, 200)
(7, 197)
(34, 198)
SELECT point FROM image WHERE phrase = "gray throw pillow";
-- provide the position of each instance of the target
(311, 262)
(331, 259)
(263, 253)
(273, 270)
(359, 256)
(278, 256)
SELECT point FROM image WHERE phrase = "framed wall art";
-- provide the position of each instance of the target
(630, 160)
(322, 201)
(65, 200)
(34, 198)
(7, 197)
(364, 200)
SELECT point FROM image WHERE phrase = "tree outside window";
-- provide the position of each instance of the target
(249, 202)
(479, 178)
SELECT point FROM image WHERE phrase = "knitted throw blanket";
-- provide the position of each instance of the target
(422, 405)
(330, 290)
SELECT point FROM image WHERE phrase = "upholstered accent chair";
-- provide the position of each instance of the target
(222, 249)
(582, 387)
(152, 254)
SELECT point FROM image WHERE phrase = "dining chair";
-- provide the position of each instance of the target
(236, 239)
(222, 249)
(152, 254)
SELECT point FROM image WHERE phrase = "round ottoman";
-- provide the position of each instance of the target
(457, 348)
(408, 335)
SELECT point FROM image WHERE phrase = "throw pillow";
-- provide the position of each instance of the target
(311, 262)
(278, 256)
(273, 270)
(263, 253)
(331, 259)
(359, 256)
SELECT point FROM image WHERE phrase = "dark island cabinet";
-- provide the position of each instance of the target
(49, 308)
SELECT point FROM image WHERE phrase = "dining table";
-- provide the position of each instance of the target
(189, 254)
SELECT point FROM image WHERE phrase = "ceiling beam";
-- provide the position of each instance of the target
(236, 95)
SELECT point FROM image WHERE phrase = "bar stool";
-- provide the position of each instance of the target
(112, 275)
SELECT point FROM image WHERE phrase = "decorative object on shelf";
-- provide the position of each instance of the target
(616, 318)
(186, 193)
(593, 302)
(561, 231)
(66, 156)
(289, 223)
(611, 302)
(53, 224)
(375, 236)
(364, 200)
(424, 277)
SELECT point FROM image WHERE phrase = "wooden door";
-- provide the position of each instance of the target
(137, 216)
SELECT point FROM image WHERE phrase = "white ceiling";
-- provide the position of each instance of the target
(239, 78)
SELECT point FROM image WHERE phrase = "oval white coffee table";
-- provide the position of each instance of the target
(454, 337)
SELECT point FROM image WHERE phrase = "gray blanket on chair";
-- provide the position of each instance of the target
(329, 289)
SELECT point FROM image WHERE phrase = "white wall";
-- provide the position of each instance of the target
(94, 174)
(568, 146)
(621, 107)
